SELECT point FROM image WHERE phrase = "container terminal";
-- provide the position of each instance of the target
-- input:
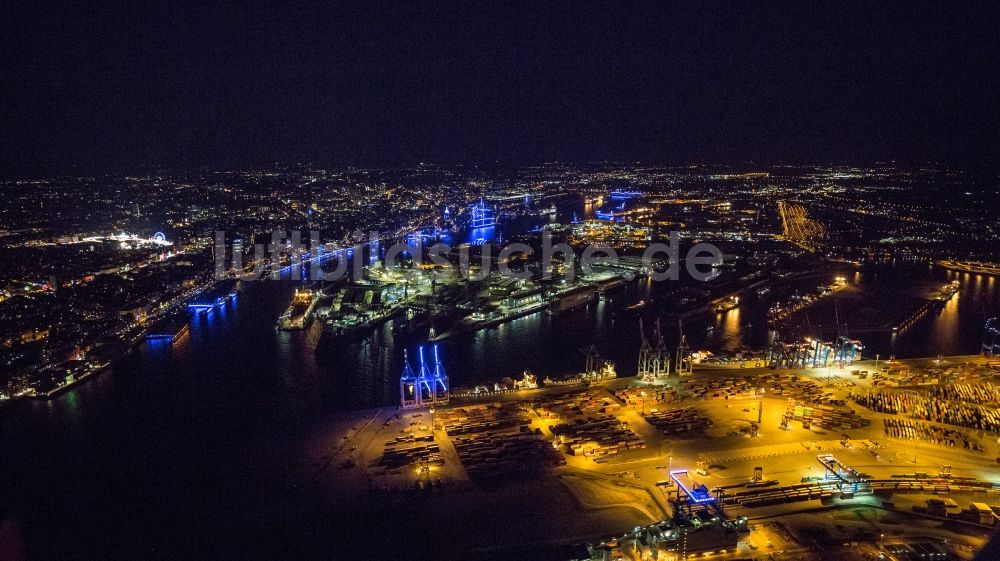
(701, 461)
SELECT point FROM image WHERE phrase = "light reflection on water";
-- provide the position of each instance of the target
(729, 329)
(237, 343)
(365, 373)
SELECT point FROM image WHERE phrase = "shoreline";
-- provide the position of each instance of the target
(973, 269)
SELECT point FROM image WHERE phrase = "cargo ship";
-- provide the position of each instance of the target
(420, 320)
(605, 287)
(299, 312)
(728, 304)
(356, 325)
(529, 381)
(946, 292)
(638, 305)
(571, 299)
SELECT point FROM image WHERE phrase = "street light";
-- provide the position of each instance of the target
(643, 394)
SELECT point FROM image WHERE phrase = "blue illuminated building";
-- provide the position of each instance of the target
(607, 215)
(482, 216)
(624, 195)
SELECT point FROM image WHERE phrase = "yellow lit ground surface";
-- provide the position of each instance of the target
(587, 501)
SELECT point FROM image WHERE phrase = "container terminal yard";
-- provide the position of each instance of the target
(714, 463)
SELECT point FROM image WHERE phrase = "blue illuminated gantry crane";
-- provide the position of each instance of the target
(847, 350)
(813, 353)
(425, 388)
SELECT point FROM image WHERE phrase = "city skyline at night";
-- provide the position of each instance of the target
(543, 281)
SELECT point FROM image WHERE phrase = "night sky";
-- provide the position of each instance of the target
(127, 86)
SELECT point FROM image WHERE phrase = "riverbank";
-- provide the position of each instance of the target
(975, 267)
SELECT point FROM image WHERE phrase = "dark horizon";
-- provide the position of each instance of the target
(981, 170)
(134, 87)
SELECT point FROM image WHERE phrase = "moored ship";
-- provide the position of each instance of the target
(299, 312)
(571, 299)
(727, 304)
(946, 292)
(605, 287)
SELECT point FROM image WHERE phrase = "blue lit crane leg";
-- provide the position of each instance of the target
(408, 395)
(440, 378)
